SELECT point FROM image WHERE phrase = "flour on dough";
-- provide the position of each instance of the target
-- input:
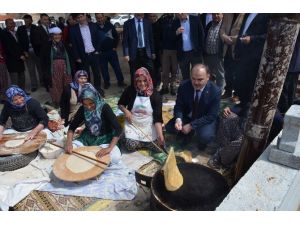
(13, 143)
(79, 164)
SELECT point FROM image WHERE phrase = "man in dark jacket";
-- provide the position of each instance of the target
(197, 107)
(108, 50)
(138, 47)
(15, 56)
(26, 39)
(190, 42)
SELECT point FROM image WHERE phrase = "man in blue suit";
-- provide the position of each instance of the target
(197, 107)
(138, 45)
(85, 45)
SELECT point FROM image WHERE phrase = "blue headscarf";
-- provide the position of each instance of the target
(92, 118)
(74, 84)
(14, 90)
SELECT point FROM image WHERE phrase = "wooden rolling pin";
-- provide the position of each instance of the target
(86, 156)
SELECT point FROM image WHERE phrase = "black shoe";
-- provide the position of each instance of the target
(122, 84)
(214, 162)
(106, 85)
(33, 89)
(164, 91)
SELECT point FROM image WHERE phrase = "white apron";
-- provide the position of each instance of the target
(142, 117)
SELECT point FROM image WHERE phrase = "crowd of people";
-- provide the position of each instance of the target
(218, 56)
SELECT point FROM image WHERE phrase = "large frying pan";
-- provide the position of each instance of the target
(203, 189)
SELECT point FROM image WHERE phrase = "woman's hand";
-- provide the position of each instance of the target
(69, 148)
(102, 152)
(128, 116)
(226, 112)
(31, 135)
(79, 130)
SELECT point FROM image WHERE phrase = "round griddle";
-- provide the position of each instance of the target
(26, 148)
(202, 189)
(61, 171)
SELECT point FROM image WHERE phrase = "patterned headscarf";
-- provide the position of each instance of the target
(14, 90)
(143, 72)
(78, 74)
(92, 118)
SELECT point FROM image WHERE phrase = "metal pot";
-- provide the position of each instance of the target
(145, 180)
(203, 189)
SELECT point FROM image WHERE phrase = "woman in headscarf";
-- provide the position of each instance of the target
(101, 125)
(25, 112)
(56, 59)
(69, 103)
(142, 106)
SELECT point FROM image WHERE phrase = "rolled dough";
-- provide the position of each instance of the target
(78, 164)
(13, 143)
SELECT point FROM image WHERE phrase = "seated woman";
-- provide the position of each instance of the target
(142, 106)
(101, 125)
(69, 103)
(25, 112)
(230, 134)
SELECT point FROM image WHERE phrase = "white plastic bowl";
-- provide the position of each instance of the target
(49, 151)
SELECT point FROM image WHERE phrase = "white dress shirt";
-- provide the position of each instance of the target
(86, 37)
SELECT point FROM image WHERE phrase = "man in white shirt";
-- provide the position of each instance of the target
(85, 45)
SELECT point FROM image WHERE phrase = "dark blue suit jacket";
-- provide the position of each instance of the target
(130, 41)
(196, 34)
(209, 103)
(77, 41)
(258, 33)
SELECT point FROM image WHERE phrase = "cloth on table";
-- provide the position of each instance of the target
(117, 182)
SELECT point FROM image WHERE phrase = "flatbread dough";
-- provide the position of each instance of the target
(172, 175)
(79, 164)
(14, 143)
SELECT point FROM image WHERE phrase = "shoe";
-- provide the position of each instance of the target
(214, 163)
(33, 89)
(27, 93)
(122, 84)
(106, 85)
(164, 91)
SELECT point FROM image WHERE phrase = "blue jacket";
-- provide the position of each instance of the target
(130, 41)
(209, 103)
(77, 41)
